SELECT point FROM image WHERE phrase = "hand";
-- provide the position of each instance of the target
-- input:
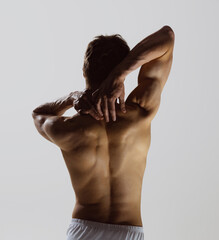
(82, 102)
(106, 96)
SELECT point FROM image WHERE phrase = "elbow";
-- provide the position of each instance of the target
(34, 113)
(169, 31)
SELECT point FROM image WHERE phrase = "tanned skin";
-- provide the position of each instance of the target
(106, 159)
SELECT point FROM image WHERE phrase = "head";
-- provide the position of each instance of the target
(101, 56)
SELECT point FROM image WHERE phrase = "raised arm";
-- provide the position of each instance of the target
(157, 45)
(154, 54)
(48, 115)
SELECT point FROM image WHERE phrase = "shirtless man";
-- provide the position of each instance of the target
(105, 144)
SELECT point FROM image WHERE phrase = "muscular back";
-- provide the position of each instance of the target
(106, 160)
(106, 163)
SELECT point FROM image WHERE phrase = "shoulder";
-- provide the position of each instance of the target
(58, 129)
(67, 132)
(134, 113)
(146, 95)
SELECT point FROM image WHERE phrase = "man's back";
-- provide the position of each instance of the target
(107, 160)
(106, 163)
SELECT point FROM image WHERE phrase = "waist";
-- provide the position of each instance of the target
(123, 214)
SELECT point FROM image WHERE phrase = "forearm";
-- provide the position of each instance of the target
(58, 107)
(150, 48)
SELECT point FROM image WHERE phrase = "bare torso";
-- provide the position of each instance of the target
(106, 164)
(107, 160)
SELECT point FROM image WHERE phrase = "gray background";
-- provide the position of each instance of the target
(42, 45)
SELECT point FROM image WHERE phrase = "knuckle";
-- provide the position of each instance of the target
(111, 99)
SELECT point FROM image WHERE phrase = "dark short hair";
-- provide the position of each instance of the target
(101, 56)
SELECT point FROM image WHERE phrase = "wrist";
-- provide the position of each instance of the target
(117, 74)
(73, 96)
(123, 68)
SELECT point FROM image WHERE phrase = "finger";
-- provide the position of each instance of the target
(83, 111)
(112, 110)
(105, 109)
(98, 107)
(95, 93)
(82, 104)
(97, 101)
(94, 114)
(92, 108)
(122, 103)
(94, 111)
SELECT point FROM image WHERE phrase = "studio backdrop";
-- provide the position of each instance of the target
(42, 46)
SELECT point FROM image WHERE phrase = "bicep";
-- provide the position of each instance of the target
(158, 68)
(151, 80)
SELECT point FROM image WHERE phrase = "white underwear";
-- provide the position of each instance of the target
(80, 229)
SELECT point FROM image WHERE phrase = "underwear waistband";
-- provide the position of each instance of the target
(107, 225)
